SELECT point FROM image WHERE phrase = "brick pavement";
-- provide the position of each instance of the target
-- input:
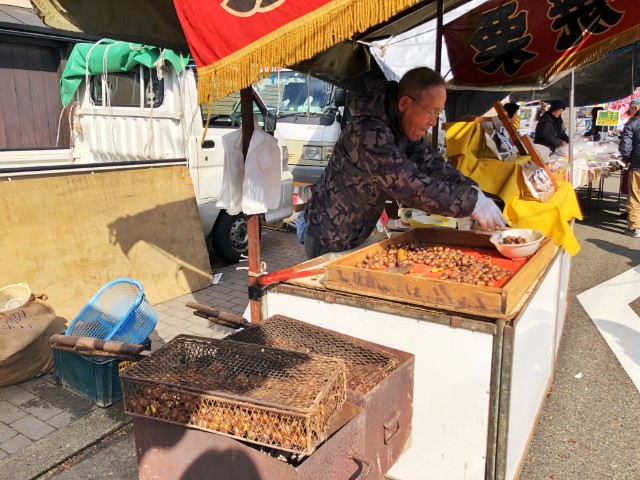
(38, 411)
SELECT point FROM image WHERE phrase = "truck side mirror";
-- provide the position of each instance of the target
(340, 97)
(270, 121)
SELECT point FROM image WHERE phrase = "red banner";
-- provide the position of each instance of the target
(528, 42)
(235, 41)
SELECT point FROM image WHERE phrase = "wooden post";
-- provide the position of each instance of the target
(524, 144)
(435, 131)
(253, 222)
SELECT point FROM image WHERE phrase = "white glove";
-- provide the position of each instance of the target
(487, 213)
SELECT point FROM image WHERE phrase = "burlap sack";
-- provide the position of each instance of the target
(24, 348)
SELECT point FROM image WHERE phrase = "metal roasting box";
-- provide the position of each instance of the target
(169, 451)
(504, 301)
(275, 398)
(379, 379)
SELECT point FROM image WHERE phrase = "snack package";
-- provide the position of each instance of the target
(538, 184)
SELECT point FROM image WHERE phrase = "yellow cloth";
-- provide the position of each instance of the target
(504, 179)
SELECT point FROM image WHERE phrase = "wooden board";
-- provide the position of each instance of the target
(504, 302)
(68, 235)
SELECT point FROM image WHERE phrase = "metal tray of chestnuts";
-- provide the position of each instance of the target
(254, 393)
(442, 268)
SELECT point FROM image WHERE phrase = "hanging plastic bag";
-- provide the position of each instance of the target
(539, 185)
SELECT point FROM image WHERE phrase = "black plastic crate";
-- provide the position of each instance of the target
(92, 377)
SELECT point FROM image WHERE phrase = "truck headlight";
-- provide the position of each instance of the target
(317, 153)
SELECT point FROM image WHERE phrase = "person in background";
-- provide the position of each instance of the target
(512, 110)
(594, 131)
(380, 153)
(534, 123)
(630, 152)
(550, 128)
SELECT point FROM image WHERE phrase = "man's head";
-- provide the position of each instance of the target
(556, 107)
(421, 97)
(634, 108)
(512, 110)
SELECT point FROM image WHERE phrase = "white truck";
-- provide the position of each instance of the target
(139, 117)
(309, 113)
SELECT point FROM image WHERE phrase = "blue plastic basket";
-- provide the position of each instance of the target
(119, 311)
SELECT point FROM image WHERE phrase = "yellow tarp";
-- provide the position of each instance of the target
(504, 179)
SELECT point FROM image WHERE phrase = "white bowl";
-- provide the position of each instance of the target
(533, 240)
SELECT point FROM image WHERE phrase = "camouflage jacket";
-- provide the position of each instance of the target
(372, 160)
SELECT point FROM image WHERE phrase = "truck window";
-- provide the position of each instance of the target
(293, 92)
(128, 89)
(226, 112)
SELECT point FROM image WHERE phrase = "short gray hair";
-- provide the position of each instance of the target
(417, 80)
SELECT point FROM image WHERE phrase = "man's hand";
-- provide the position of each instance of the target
(487, 213)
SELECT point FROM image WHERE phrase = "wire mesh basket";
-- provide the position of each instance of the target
(367, 365)
(119, 311)
(14, 296)
(257, 394)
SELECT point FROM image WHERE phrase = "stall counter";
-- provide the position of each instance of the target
(479, 382)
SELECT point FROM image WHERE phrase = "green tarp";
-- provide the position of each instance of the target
(108, 56)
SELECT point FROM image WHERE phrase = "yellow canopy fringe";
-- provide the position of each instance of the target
(297, 41)
(596, 51)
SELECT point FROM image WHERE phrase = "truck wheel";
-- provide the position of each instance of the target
(229, 237)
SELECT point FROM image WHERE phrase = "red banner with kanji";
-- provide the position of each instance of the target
(234, 42)
(528, 42)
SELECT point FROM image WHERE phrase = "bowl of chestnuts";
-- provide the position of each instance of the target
(517, 242)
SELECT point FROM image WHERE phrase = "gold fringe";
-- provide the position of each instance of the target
(296, 41)
(594, 52)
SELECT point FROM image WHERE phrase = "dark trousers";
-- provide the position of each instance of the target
(633, 200)
(312, 246)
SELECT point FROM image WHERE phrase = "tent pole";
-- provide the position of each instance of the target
(256, 293)
(633, 67)
(571, 123)
(435, 132)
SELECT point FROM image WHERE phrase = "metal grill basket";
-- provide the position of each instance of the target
(119, 311)
(366, 365)
(257, 394)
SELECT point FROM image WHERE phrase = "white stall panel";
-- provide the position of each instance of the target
(563, 301)
(451, 391)
(533, 361)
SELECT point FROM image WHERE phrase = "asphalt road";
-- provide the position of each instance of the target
(589, 426)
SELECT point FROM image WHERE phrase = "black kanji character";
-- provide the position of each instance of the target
(574, 18)
(501, 39)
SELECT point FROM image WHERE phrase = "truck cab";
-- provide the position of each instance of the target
(309, 116)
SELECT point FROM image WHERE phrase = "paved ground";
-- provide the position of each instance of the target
(588, 428)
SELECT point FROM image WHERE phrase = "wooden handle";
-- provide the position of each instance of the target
(282, 276)
(89, 343)
(217, 320)
(224, 316)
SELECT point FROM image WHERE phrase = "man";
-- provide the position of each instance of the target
(550, 128)
(594, 130)
(630, 152)
(381, 153)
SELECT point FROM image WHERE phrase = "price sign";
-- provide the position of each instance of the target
(608, 118)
